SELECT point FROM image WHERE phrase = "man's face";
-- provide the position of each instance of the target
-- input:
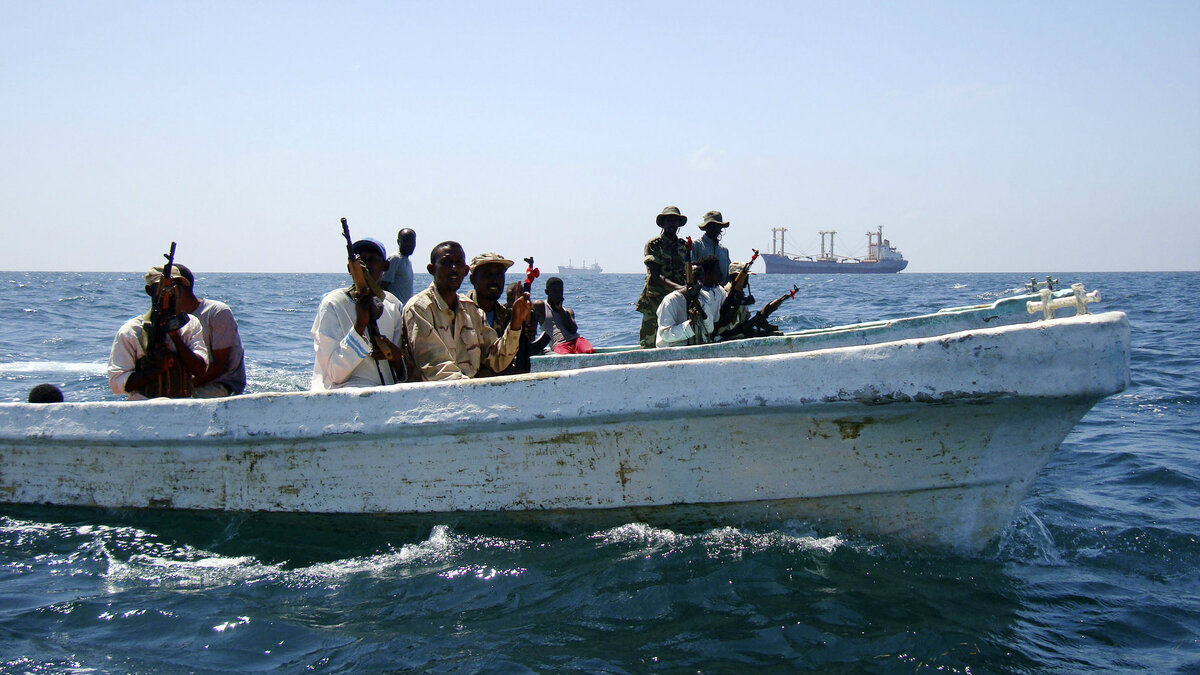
(488, 281)
(448, 268)
(407, 241)
(376, 264)
(711, 277)
(554, 293)
(670, 227)
(172, 290)
(714, 231)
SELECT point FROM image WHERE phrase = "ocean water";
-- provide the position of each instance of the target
(1100, 572)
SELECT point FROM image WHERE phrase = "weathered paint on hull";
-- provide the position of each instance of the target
(932, 440)
(778, 264)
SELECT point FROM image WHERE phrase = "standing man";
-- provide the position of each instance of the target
(665, 259)
(710, 244)
(398, 279)
(140, 369)
(487, 285)
(345, 356)
(684, 322)
(226, 372)
(447, 335)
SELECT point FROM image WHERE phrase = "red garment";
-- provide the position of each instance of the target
(577, 346)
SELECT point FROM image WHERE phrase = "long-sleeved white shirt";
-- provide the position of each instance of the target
(343, 356)
(674, 326)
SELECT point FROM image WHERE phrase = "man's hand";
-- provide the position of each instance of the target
(520, 310)
(368, 308)
(386, 350)
(149, 368)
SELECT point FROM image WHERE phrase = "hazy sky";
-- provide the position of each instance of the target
(1013, 136)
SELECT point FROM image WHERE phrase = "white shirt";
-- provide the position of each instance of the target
(127, 349)
(343, 356)
(674, 326)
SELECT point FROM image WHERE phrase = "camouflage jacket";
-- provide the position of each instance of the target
(671, 257)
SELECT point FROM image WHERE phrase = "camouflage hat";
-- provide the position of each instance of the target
(713, 218)
(671, 213)
(155, 274)
(490, 258)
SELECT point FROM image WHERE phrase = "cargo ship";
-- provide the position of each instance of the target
(881, 258)
(594, 268)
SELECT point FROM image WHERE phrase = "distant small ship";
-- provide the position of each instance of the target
(882, 257)
(582, 269)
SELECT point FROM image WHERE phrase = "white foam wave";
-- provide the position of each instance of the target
(718, 541)
(57, 367)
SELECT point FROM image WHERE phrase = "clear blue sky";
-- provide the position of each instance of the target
(1014, 136)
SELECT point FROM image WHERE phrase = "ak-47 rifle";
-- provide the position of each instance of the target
(531, 273)
(173, 380)
(757, 325)
(521, 361)
(740, 280)
(734, 298)
(162, 309)
(366, 285)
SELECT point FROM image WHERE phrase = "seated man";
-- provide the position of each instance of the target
(529, 346)
(738, 299)
(686, 317)
(346, 356)
(487, 284)
(559, 322)
(446, 334)
(226, 372)
(158, 353)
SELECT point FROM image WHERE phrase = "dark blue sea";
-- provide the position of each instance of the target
(1100, 572)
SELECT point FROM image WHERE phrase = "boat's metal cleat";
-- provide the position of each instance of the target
(1049, 304)
(1034, 284)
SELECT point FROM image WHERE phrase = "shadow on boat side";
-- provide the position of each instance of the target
(295, 540)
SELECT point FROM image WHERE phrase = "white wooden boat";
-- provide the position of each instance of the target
(931, 438)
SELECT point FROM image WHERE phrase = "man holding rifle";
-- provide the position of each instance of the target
(158, 353)
(357, 333)
(687, 317)
(446, 334)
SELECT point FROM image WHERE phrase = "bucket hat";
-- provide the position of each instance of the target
(713, 218)
(671, 212)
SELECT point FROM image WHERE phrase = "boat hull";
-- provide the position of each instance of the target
(778, 264)
(933, 440)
